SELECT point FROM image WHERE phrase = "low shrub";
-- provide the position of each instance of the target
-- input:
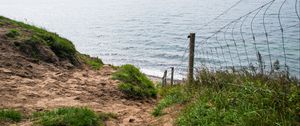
(10, 115)
(134, 83)
(60, 46)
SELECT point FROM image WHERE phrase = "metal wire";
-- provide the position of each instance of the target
(267, 38)
(282, 36)
(250, 38)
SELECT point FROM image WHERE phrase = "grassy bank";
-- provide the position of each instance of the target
(225, 98)
(134, 83)
(44, 45)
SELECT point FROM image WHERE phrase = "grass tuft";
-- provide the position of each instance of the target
(134, 83)
(13, 33)
(171, 96)
(93, 62)
(10, 115)
(68, 116)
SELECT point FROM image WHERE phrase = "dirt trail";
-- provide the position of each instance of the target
(30, 85)
(77, 87)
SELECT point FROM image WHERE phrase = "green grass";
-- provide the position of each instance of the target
(33, 38)
(134, 83)
(245, 106)
(240, 98)
(62, 47)
(71, 116)
(93, 62)
(171, 96)
(13, 33)
(10, 115)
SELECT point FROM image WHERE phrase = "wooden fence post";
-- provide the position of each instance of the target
(172, 74)
(191, 58)
(164, 79)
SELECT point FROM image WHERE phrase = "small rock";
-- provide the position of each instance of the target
(13, 86)
(19, 64)
(138, 104)
(6, 71)
(39, 109)
(77, 98)
(29, 66)
(85, 75)
(69, 65)
(103, 83)
(7, 64)
(123, 100)
(131, 120)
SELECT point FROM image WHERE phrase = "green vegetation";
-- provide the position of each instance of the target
(239, 98)
(94, 63)
(13, 33)
(134, 83)
(36, 42)
(10, 115)
(62, 47)
(71, 116)
(171, 95)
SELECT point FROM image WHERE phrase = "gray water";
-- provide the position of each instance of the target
(152, 34)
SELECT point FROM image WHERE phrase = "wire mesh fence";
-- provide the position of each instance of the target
(263, 40)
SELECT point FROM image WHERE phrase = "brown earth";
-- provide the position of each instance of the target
(30, 85)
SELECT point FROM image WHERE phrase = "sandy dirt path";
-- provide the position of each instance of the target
(78, 87)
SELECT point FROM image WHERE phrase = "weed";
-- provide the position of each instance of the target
(10, 115)
(236, 98)
(134, 83)
(241, 98)
(171, 95)
(68, 116)
(93, 62)
(13, 33)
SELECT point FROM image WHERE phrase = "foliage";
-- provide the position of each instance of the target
(241, 98)
(62, 47)
(93, 62)
(171, 95)
(134, 83)
(10, 115)
(13, 33)
(69, 116)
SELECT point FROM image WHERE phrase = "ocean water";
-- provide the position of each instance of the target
(152, 34)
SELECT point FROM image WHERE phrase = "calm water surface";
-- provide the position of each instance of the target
(151, 34)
